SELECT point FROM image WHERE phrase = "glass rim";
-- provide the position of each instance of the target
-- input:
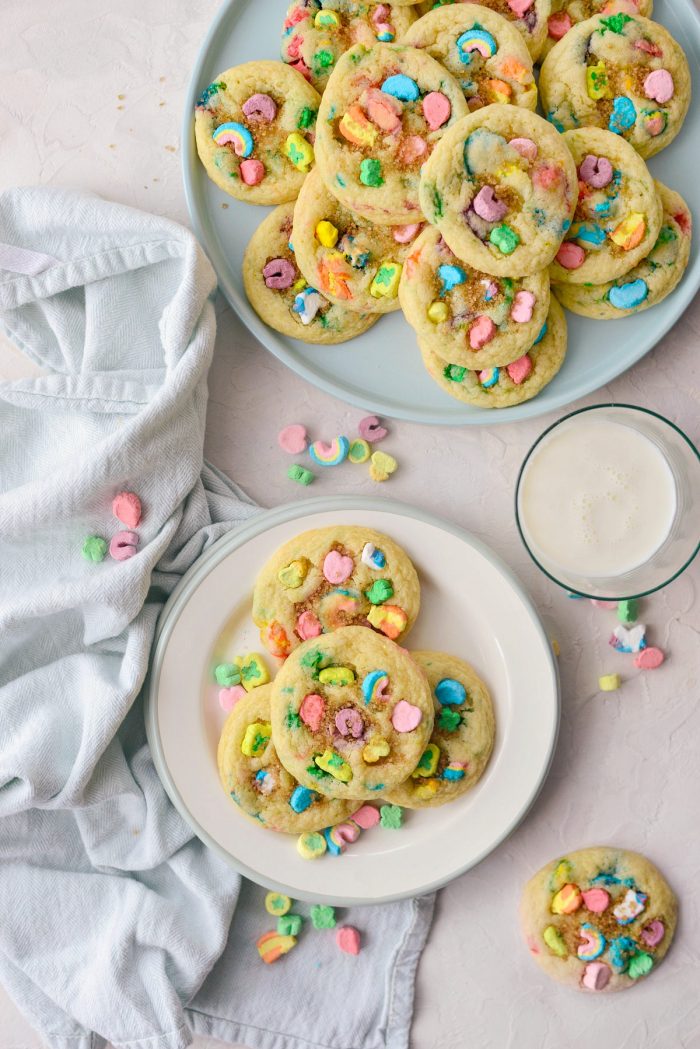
(548, 430)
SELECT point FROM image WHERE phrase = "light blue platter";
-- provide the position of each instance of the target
(382, 370)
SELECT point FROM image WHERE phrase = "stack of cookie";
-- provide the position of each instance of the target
(411, 171)
(351, 715)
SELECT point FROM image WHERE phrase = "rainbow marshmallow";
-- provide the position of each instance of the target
(374, 685)
(476, 39)
(236, 135)
(332, 453)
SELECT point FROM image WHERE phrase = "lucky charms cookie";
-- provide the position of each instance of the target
(351, 714)
(283, 298)
(599, 919)
(317, 32)
(528, 16)
(467, 317)
(334, 577)
(253, 776)
(650, 281)
(568, 13)
(501, 187)
(351, 261)
(502, 387)
(462, 739)
(485, 54)
(254, 127)
(381, 115)
(618, 215)
(619, 72)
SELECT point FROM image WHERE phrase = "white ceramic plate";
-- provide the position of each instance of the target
(382, 369)
(471, 606)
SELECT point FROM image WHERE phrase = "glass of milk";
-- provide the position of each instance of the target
(608, 501)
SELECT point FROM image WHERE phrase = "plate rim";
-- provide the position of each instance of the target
(236, 538)
(682, 296)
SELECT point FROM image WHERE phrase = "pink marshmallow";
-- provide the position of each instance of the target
(292, 439)
(520, 7)
(596, 976)
(370, 429)
(126, 507)
(252, 171)
(571, 256)
(649, 659)
(311, 711)
(653, 933)
(308, 626)
(436, 109)
(487, 205)
(523, 305)
(382, 109)
(260, 109)
(228, 697)
(525, 147)
(595, 900)
(123, 545)
(546, 176)
(337, 567)
(520, 369)
(648, 48)
(405, 717)
(482, 331)
(412, 149)
(596, 171)
(559, 25)
(348, 939)
(366, 817)
(405, 234)
(659, 86)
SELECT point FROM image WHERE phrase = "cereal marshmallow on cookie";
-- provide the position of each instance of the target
(483, 51)
(351, 714)
(317, 32)
(501, 187)
(381, 115)
(568, 13)
(350, 260)
(281, 295)
(254, 127)
(334, 577)
(529, 17)
(619, 72)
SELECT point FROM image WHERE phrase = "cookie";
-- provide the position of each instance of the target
(317, 32)
(467, 317)
(501, 187)
(254, 127)
(281, 296)
(517, 382)
(650, 281)
(253, 776)
(381, 115)
(351, 714)
(351, 261)
(619, 72)
(598, 919)
(333, 577)
(462, 739)
(568, 13)
(484, 52)
(618, 215)
(528, 16)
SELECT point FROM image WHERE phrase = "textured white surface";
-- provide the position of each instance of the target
(626, 770)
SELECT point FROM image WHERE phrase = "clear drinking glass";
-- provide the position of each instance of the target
(683, 540)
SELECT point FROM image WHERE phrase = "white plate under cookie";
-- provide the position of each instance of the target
(471, 606)
(382, 369)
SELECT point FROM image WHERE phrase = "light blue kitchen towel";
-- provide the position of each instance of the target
(116, 924)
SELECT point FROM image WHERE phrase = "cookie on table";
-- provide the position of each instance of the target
(351, 261)
(484, 52)
(619, 72)
(501, 187)
(253, 776)
(351, 714)
(326, 578)
(283, 298)
(381, 115)
(598, 919)
(515, 383)
(465, 316)
(568, 13)
(317, 32)
(462, 739)
(618, 215)
(254, 128)
(528, 16)
(650, 281)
